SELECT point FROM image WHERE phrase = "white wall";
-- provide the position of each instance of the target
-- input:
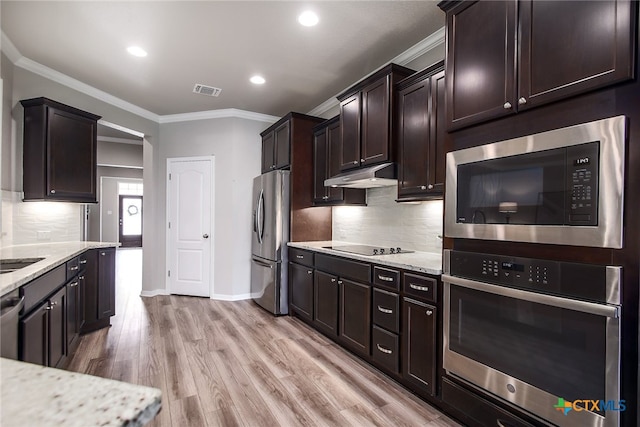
(384, 222)
(236, 145)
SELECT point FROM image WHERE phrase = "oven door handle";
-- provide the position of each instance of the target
(554, 301)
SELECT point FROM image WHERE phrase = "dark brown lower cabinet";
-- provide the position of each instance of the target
(99, 288)
(75, 308)
(325, 315)
(43, 332)
(419, 345)
(355, 316)
(301, 288)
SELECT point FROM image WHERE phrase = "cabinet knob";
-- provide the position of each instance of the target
(361, 160)
(103, 253)
(73, 285)
(309, 271)
(430, 186)
(325, 197)
(522, 100)
(333, 280)
(339, 282)
(52, 191)
(429, 312)
(423, 187)
(507, 105)
(355, 162)
(205, 236)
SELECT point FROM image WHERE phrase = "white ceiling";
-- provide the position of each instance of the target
(217, 43)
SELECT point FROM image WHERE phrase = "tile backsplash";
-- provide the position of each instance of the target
(384, 222)
(38, 222)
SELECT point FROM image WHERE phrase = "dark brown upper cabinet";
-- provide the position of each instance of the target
(59, 156)
(421, 132)
(366, 120)
(326, 163)
(508, 56)
(276, 147)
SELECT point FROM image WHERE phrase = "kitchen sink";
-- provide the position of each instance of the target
(10, 265)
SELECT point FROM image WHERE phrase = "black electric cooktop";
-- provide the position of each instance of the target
(368, 250)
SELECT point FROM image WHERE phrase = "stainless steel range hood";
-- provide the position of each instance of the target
(382, 175)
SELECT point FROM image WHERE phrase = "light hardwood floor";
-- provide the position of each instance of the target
(231, 363)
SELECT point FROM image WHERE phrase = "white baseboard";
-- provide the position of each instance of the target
(223, 297)
(153, 293)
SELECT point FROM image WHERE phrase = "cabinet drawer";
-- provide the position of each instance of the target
(300, 256)
(385, 349)
(477, 408)
(386, 310)
(73, 267)
(40, 288)
(344, 268)
(386, 278)
(420, 286)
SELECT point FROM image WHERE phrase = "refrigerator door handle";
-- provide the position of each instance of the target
(262, 263)
(260, 215)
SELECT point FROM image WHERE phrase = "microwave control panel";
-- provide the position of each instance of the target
(582, 184)
(583, 281)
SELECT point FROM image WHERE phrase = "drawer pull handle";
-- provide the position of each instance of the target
(300, 256)
(81, 277)
(74, 268)
(384, 350)
(339, 282)
(385, 310)
(385, 278)
(429, 312)
(73, 284)
(418, 287)
(83, 261)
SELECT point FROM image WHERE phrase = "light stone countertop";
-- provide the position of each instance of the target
(423, 262)
(54, 254)
(33, 395)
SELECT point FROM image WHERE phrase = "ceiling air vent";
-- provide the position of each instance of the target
(206, 90)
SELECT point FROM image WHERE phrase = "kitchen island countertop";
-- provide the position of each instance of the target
(54, 254)
(424, 262)
(36, 395)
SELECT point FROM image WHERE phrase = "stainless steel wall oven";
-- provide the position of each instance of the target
(533, 332)
(563, 186)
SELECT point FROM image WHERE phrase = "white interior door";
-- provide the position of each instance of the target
(190, 220)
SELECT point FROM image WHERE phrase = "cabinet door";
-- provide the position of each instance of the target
(355, 316)
(106, 283)
(320, 166)
(73, 300)
(375, 122)
(438, 129)
(419, 344)
(414, 135)
(58, 327)
(334, 145)
(301, 288)
(34, 336)
(325, 314)
(480, 61)
(268, 152)
(570, 47)
(71, 145)
(282, 143)
(350, 132)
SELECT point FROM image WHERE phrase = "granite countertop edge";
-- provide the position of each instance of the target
(60, 397)
(423, 262)
(54, 254)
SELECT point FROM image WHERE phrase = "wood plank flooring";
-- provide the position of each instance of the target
(233, 364)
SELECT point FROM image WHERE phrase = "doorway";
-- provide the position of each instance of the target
(190, 219)
(130, 221)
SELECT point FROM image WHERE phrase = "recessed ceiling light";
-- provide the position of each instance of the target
(137, 51)
(308, 18)
(257, 80)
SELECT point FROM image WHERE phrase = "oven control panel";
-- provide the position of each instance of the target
(582, 281)
(582, 184)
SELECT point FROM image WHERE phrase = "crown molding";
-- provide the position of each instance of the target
(9, 48)
(430, 42)
(218, 114)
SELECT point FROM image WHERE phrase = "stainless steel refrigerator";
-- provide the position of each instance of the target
(269, 241)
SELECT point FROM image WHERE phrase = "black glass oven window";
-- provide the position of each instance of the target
(523, 189)
(557, 350)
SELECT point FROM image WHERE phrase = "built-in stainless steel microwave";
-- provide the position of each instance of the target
(563, 186)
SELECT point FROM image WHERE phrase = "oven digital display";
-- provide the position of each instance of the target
(510, 266)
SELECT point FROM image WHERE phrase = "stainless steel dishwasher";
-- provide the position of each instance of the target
(10, 306)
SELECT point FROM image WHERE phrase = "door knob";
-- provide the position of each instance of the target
(206, 236)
